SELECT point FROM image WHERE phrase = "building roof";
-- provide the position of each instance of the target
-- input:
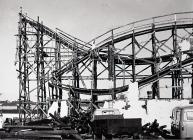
(184, 107)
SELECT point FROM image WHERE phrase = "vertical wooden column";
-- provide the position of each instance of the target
(58, 65)
(191, 47)
(94, 75)
(55, 91)
(75, 66)
(75, 75)
(20, 67)
(42, 71)
(133, 54)
(25, 71)
(24, 96)
(41, 92)
(174, 72)
(111, 65)
(155, 86)
(38, 68)
(176, 75)
(25, 76)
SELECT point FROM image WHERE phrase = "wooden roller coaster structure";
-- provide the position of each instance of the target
(52, 63)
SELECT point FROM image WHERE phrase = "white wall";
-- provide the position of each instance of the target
(156, 109)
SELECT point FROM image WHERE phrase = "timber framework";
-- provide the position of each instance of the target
(52, 62)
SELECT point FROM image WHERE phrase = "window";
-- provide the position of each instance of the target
(174, 114)
(178, 115)
(108, 112)
(172, 117)
(189, 115)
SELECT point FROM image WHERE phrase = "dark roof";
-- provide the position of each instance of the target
(9, 104)
(184, 107)
(12, 103)
(10, 111)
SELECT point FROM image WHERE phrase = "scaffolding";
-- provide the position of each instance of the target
(53, 62)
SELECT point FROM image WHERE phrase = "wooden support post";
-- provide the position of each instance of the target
(192, 83)
(42, 71)
(174, 84)
(58, 66)
(94, 75)
(177, 81)
(38, 68)
(24, 97)
(111, 65)
(25, 71)
(191, 48)
(75, 75)
(20, 68)
(114, 66)
(154, 67)
(133, 54)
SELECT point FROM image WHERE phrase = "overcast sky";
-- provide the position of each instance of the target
(84, 19)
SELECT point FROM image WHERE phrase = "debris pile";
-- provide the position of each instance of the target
(54, 128)
(154, 131)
